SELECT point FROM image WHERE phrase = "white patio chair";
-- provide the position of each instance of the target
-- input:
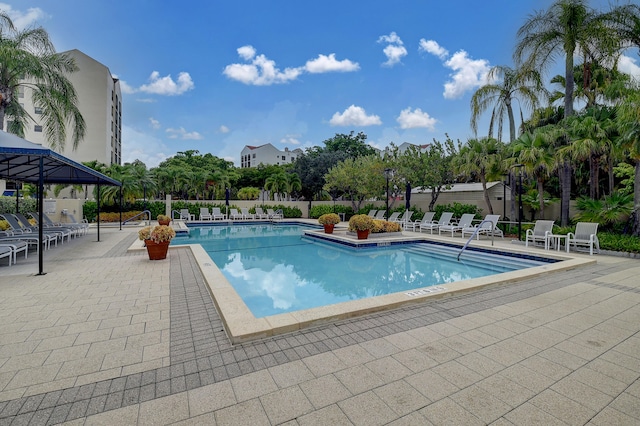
(260, 214)
(205, 214)
(246, 214)
(380, 214)
(426, 219)
(584, 236)
(465, 222)
(274, 215)
(394, 217)
(372, 213)
(539, 234)
(445, 219)
(235, 215)
(185, 215)
(217, 214)
(488, 225)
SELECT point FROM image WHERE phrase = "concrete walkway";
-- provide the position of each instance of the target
(109, 337)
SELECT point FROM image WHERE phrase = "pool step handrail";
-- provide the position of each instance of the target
(475, 232)
(147, 212)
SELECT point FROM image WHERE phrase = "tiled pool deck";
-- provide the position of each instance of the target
(109, 337)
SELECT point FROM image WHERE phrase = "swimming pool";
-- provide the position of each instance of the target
(275, 269)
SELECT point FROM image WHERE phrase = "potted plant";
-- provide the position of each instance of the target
(163, 219)
(157, 240)
(362, 224)
(329, 220)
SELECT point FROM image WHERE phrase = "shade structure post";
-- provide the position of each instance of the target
(41, 217)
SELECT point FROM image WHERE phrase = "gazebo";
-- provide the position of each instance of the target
(25, 161)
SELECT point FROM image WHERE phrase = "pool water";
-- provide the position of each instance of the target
(274, 269)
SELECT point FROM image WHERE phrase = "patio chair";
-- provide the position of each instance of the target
(488, 225)
(235, 215)
(205, 214)
(60, 232)
(405, 218)
(15, 247)
(50, 225)
(394, 217)
(372, 213)
(6, 251)
(275, 215)
(31, 232)
(426, 219)
(217, 214)
(465, 222)
(29, 238)
(585, 235)
(380, 214)
(246, 214)
(260, 214)
(185, 215)
(540, 233)
(82, 226)
(445, 219)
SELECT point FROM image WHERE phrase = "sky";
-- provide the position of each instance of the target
(214, 76)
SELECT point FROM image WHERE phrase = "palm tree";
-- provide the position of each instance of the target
(535, 152)
(629, 123)
(276, 184)
(523, 84)
(560, 30)
(481, 158)
(28, 60)
(294, 184)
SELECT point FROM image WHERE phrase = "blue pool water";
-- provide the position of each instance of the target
(275, 269)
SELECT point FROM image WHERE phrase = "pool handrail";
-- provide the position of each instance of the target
(148, 212)
(473, 235)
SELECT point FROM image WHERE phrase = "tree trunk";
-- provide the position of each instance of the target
(565, 192)
(486, 194)
(541, 196)
(636, 200)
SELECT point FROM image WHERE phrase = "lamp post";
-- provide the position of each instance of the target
(387, 174)
(519, 166)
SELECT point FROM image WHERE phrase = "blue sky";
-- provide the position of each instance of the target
(215, 76)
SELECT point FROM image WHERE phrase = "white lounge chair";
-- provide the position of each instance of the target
(246, 214)
(445, 219)
(260, 214)
(274, 215)
(372, 213)
(380, 214)
(205, 214)
(465, 222)
(426, 219)
(585, 235)
(6, 251)
(15, 247)
(185, 215)
(235, 215)
(405, 218)
(488, 225)
(217, 214)
(394, 217)
(540, 233)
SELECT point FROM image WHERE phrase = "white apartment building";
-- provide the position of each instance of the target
(252, 156)
(100, 103)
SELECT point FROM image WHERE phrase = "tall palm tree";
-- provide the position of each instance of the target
(535, 152)
(629, 124)
(294, 184)
(28, 60)
(276, 184)
(560, 30)
(523, 85)
(480, 158)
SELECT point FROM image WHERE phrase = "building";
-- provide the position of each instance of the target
(100, 103)
(267, 154)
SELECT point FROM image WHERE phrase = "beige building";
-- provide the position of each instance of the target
(252, 156)
(100, 103)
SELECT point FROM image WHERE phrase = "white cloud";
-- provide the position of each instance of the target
(125, 88)
(354, 116)
(181, 133)
(246, 52)
(431, 46)
(22, 20)
(291, 140)
(223, 129)
(627, 65)
(329, 63)
(142, 146)
(155, 124)
(468, 74)
(395, 50)
(417, 118)
(166, 86)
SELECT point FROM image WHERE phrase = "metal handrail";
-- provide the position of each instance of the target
(176, 212)
(475, 232)
(139, 214)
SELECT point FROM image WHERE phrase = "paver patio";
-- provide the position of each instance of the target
(109, 337)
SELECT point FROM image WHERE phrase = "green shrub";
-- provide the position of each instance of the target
(8, 204)
(320, 209)
(618, 242)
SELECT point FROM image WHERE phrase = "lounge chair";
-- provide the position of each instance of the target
(59, 232)
(29, 238)
(380, 214)
(260, 214)
(185, 215)
(234, 215)
(426, 219)
(28, 234)
(205, 214)
(405, 218)
(246, 214)
(445, 219)
(464, 222)
(372, 213)
(217, 214)
(488, 225)
(540, 233)
(394, 217)
(50, 225)
(16, 246)
(82, 226)
(585, 235)
(6, 251)
(275, 215)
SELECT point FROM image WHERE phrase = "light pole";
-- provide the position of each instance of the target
(519, 166)
(387, 174)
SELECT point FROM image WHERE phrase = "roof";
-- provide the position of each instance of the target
(20, 160)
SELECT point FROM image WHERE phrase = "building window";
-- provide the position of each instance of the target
(37, 128)
(254, 156)
(37, 110)
(284, 158)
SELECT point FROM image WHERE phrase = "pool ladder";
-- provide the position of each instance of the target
(475, 232)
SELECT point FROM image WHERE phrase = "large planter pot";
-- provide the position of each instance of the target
(164, 222)
(157, 251)
(328, 228)
(363, 235)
